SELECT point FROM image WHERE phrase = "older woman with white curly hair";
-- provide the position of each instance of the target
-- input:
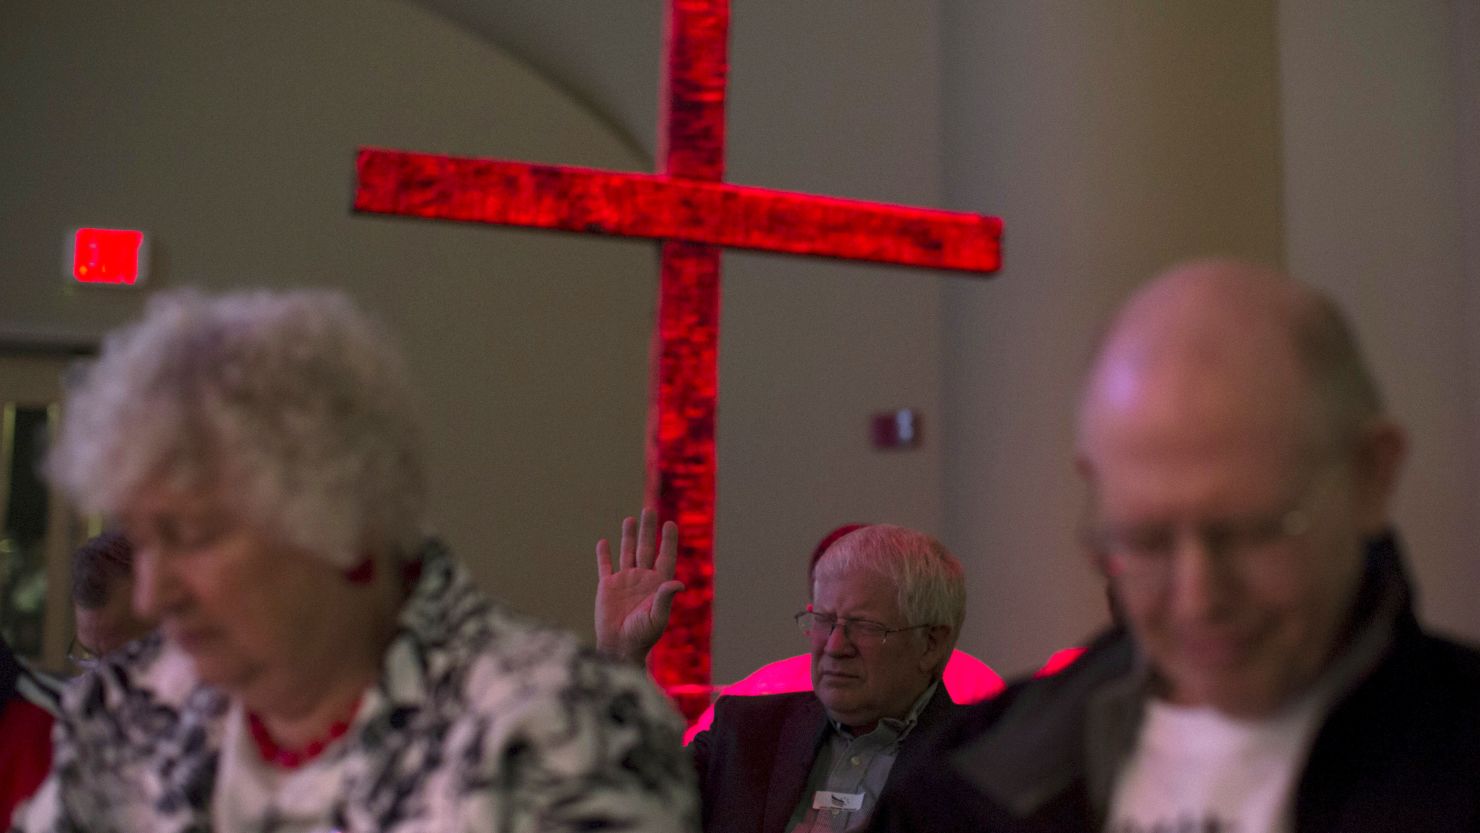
(321, 665)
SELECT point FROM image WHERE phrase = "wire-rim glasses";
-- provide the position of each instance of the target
(1144, 555)
(863, 633)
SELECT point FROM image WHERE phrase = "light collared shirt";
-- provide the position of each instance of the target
(850, 772)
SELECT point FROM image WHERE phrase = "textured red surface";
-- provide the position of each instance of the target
(680, 450)
(689, 208)
(681, 467)
(691, 104)
(665, 207)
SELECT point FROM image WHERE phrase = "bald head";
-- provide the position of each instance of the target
(1237, 459)
(1217, 339)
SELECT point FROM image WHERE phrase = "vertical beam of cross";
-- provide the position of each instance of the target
(681, 452)
(689, 207)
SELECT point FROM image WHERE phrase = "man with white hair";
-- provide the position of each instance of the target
(1272, 675)
(886, 610)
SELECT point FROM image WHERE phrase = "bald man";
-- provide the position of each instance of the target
(1271, 675)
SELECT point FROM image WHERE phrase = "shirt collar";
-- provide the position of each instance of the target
(899, 727)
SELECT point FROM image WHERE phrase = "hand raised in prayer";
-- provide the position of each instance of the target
(633, 601)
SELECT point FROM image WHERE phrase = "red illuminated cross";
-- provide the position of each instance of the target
(693, 212)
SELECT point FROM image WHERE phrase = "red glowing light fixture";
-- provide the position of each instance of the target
(116, 257)
(693, 213)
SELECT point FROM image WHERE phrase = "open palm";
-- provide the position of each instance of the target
(634, 599)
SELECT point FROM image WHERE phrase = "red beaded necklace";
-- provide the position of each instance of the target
(284, 758)
(270, 750)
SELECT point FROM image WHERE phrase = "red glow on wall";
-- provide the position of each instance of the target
(1061, 659)
(693, 213)
(107, 256)
(967, 680)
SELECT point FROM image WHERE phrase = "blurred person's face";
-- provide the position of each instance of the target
(860, 681)
(1233, 538)
(255, 614)
(103, 630)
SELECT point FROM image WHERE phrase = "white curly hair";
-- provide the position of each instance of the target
(928, 578)
(293, 402)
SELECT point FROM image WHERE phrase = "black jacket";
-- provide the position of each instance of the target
(754, 761)
(1399, 751)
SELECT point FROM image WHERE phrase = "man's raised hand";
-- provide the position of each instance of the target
(634, 599)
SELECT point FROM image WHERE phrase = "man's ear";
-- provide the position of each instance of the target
(937, 647)
(1381, 450)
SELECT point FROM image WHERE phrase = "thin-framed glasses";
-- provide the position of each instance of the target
(861, 632)
(81, 655)
(1143, 555)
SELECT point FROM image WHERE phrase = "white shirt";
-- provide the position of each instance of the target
(1194, 768)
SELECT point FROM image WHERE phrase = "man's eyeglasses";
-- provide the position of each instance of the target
(81, 655)
(1143, 555)
(861, 632)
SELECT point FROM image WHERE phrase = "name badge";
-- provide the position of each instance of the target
(824, 800)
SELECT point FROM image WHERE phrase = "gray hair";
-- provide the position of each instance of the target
(292, 400)
(929, 579)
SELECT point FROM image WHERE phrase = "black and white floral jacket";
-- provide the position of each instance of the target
(484, 722)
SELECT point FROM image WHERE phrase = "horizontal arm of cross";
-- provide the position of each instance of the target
(656, 206)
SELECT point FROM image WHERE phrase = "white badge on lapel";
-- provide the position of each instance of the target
(824, 800)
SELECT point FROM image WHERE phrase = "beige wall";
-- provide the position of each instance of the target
(1338, 139)
(838, 99)
(1380, 181)
(1113, 136)
(228, 131)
